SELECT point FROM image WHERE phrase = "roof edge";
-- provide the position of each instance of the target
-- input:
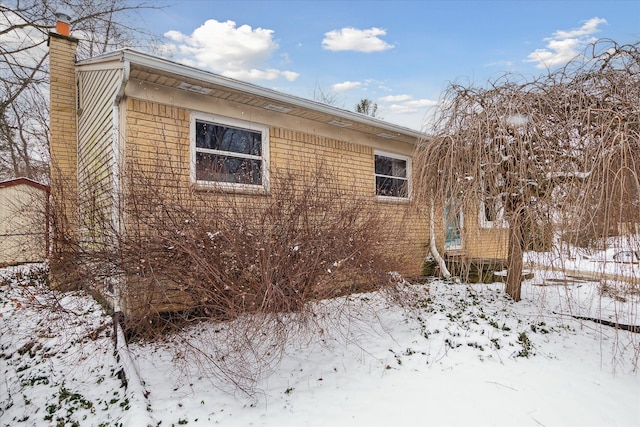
(25, 181)
(162, 64)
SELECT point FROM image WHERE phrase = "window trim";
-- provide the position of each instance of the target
(499, 221)
(196, 116)
(408, 178)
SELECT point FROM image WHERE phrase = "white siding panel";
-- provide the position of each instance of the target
(96, 184)
(23, 222)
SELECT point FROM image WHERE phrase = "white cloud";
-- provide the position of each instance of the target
(507, 64)
(418, 103)
(402, 108)
(357, 40)
(239, 52)
(344, 86)
(395, 98)
(564, 46)
(589, 27)
(405, 104)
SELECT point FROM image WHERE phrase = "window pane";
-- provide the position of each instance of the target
(392, 187)
(391, 177)
(215, 167)
(390, 166)
(223, 138)
(493, 209)
(452, 226)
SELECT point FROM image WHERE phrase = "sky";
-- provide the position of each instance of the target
(399, 54)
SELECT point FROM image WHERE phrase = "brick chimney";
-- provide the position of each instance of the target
(63, 135)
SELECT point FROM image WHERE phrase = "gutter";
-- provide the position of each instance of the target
(116, 143)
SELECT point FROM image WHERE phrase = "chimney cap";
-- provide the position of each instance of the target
(63, 15)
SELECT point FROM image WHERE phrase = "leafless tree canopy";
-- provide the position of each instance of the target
(565, 145)
(323, 96)
(100, 26)
(368, 107)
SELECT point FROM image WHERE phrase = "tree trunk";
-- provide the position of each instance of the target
(444, 271)
(515, 256)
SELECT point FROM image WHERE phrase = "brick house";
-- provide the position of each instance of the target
(128, 108)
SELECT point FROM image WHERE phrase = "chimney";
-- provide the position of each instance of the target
(63, 26)
(63, 144)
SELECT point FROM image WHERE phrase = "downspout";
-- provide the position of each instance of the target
(140, 415)
(115, 171)
(47, 225)
(117, 146)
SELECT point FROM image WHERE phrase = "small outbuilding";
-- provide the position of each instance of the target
(24, 225)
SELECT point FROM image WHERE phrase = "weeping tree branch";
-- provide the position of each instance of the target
(565, 143)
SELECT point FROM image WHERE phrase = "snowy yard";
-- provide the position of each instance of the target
(453, 354)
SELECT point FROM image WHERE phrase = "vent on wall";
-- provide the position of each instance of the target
(386, 135)
(278, 108)
(339, 123)
(195, 88)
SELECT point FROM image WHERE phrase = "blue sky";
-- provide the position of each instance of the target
(400, 54)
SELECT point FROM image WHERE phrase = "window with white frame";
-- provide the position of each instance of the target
(393, 175)
(491, 212)
(228, 152)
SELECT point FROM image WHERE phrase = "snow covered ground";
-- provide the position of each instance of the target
(452, 354)
(621, 259)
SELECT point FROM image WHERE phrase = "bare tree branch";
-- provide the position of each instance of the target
(24, 28)
(567, 141)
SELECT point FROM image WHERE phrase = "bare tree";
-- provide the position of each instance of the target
(24, 27)
(368, 107)
(524, 149)
(320, 95)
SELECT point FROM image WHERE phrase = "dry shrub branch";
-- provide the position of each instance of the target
(254, 262)
(226, 254)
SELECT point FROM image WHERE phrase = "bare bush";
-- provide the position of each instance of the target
(225, 254)
(254, 262)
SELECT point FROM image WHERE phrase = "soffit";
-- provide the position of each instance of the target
(292, 105)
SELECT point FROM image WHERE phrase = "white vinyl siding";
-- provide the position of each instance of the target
(96, 156)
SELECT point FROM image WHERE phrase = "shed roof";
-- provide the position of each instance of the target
(23, 181)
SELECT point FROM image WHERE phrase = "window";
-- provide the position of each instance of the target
(453, 225)
(393, 175)
(228, 153)
(492, 208)
(492, 213)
